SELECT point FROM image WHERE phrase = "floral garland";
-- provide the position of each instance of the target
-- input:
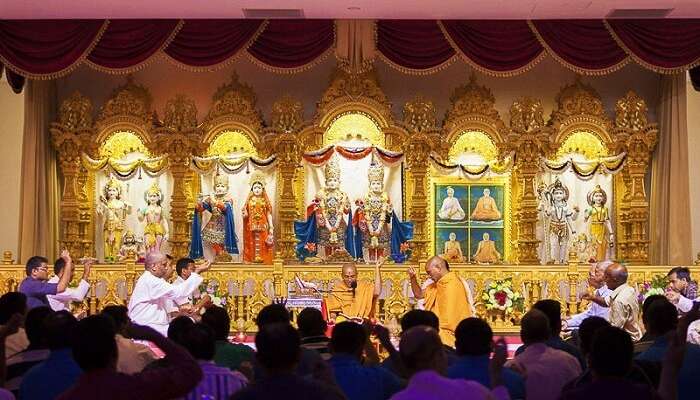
(211, 289)
(500, 295)
(657, 286)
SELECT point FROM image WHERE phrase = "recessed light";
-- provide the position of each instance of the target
(354, 8)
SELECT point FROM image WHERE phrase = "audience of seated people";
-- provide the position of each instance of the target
(52, 355)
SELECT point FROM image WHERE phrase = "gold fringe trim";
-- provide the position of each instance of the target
(566, 64)
(134, 68)
(295, 70)
(54, 75)
(227, 62)
(418, 72)
(655, 68)
(501, 74)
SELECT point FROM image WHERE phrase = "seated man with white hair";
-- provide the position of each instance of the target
(152, 294)
(596, 280)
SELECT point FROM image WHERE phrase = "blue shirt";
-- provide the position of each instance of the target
(51, 377)
(363, 383)
(476, 368)
(689, 373)
(36, 291)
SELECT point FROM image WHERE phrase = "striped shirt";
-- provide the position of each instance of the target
(218, 383)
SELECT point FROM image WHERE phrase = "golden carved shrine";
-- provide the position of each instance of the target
(475, 186)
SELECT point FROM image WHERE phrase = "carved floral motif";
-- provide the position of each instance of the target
(420, 114)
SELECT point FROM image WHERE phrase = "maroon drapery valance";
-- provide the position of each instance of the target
(43, 49)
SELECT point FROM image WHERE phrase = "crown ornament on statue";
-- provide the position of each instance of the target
(557, 185)
(593, 192)
(154, 189)
(332, 168)
(257, 177)
(221, 179)
(376, 172)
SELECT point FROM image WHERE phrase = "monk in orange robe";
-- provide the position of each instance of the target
(446, 297)
(358, 303)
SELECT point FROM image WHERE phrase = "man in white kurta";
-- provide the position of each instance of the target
(152, 294)
(61, 301)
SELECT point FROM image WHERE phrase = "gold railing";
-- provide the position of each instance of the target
(249, 287)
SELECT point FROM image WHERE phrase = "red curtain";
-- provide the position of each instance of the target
(46, 49)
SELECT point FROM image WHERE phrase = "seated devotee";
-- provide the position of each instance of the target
(10, 304)
(357, 381)
(217, 382)
(640, 372)
(95, 351)
(36, 352)
(552, 309)
(611, 361)
(421, 352)
(547, 369)
(278, 352)
(682, 291)
(446, 296)
(176, 333)
(622, 301)
(596, 281)
(63, 300)
(6, 330)
(312, 329)
(148, 304)
(36, 286)
(132, 357)
(351, 298)
(660, 319)
(59, 372)
(308, 361)
(229, 355)
(474, 345)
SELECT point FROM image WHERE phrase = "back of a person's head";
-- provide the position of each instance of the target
(34, 326)
(94, 345)
(218, 320)
(611, 352)
(177, 330)
(58, 265)
(418, 318)
(474, 337)
(272, 314)
(311, 323)
(10, 304)
(60, 327)
(348, 338)
(200, 342)
(119, 314)
(534, 327)
(587, 330)
(649, 300)
(35, 262)
(552, 309)
(660, 317)
(278, 346)
(421, 349)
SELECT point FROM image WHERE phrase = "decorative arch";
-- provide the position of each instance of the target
(584, 142)
(472, 112)
(354, 126)
(230, 141)
(122, 142)
(472, 147)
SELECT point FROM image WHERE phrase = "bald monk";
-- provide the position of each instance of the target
(357, 302)
(446, 296)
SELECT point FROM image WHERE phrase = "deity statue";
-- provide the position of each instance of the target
(156, 230)
(451, 209)
(453, 250)
(582, 246)
(599, 223)
(114, 211)
(373, 216)
(216, 241)
(486, 208)
(131, 247)
(258, 231)
(486, 252)
(560, 221)
(330, 206)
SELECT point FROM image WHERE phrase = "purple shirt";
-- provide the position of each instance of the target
(36, 291)
(430, 385)
(547, 370)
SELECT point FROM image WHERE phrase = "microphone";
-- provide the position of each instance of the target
(353, 286)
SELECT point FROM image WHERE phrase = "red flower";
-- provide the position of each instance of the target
(500, 297)
(310, 247)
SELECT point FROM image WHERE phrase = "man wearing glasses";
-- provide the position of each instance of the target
(36, 285)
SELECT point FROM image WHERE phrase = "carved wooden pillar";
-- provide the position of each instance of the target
(70, 137)
(529, 138)
(179, 138)
(635, 135)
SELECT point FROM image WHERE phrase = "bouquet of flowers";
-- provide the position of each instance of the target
(657, 285)
(210, 289)
(499, 295)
